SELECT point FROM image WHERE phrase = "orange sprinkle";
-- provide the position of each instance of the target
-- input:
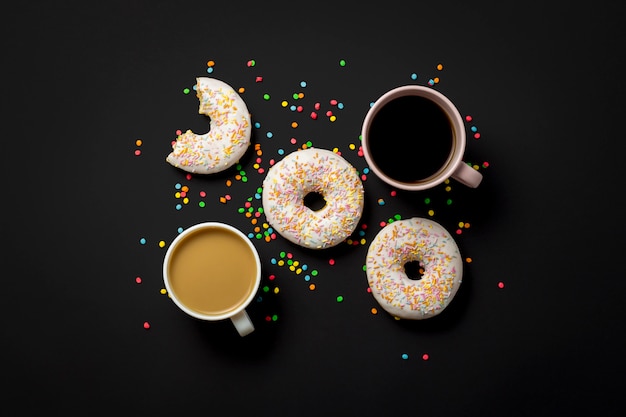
(138, 142)
(294, 124)
(374, 310)
(254, 221)
(468, 260)
(229, 183)
(241, 90)
(210, 63)
(237, 177)
(185, 188)
(300, 95)
(436, 80)
(312, 287)
(439, 67)
(223, 200)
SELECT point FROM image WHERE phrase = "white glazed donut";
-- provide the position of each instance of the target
(228, 137)
(320, 171)
(426, 242)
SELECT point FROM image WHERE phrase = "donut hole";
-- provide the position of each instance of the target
(414, 270)
(315, 201)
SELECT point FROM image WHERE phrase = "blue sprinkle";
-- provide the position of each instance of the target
(305, 267)
(178, 186)
(340, 106)
(251, 235)
(179, 206)
(302, 84)
(259, 299)
(273, 261)
(431, 82)
(405, 356)
(361, 232)
(257, 196)
(257, 125)
(281, 151)
(293, 107)
(142, 240)
(209, 70)
(180, 230)
(414, 76)
(474, 129)
(307, 277)
(371, 104)
(366, 170)
(270, 230)
(269, 135)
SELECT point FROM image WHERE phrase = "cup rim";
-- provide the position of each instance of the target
(456, 154)
(174, 244)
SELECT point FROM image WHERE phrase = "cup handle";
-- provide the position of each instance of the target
(242, 323)
(467, 175)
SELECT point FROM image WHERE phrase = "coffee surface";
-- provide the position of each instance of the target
(212, 271)
(410, 138)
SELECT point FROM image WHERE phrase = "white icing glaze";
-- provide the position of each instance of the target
(313, 170)
(426, 242)
(228, 137)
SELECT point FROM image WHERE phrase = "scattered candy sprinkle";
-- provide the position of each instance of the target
(340, 298)
(138, 280)
(146, 325)
(405, 356)
(425, 356)
(500, 284)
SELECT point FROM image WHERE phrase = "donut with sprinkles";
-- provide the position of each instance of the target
(229, 133)
(414, 240)
(320, 171)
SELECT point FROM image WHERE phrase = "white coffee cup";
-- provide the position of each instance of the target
(212, 271)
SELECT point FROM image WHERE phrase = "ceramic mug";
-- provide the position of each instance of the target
(413, 138)
(212, 271)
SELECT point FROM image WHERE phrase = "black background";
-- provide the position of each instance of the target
(544, 85)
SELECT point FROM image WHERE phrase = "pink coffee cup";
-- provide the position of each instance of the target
(432, 132)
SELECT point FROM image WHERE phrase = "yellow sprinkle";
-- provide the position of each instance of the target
(284, 103)
(352, 146)
(185, 200)
(335, 150)
(448, 188)
(266, 225)
(292, 268)
(461, 224)
(162, 244)
(298, 271)
(363, 241)
(281, 262)
(476, 167)
(276, 290)
(333, 118)
(177, 194)
(163, 291)
(431, 212)
(447, 181)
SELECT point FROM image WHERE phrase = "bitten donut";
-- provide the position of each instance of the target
(228, 136)
(319, 171)
(426, 242)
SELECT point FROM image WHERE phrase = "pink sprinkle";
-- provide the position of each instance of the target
(363, 177)
(331, 261)
(329, 113)
(299, 109)
(258, 160)
(272, 162)
(138, 280)
(317, 106)
(476, 135)
(293, 141)
(259, 79)
(179, 132)
(146, 325)
(313, 115)
(383, 224)
(261, 170)
(289, 255)
(485, 164)
(183, 194)
(500, 284)
(459, 231)
(202, 193)
(247, 204)
(137, 152)
(425, 356)
(468, 118)
(333, 102)
(369, 289)
(228, 197)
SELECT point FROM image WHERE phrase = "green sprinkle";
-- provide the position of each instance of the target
(309, 143)
(397, 217)
(364, 267)
(427, 200)
(295, 96)
(449, 201)
(266, 96)
(282, 254)
(339, 298)
(244, 179)
(260, 210)
(314, 272)
(259, 236)
(202, 204)
(274, 317)
(342, 62)
(266, 289)
(259, 190)
(241, 210)
(186, 91)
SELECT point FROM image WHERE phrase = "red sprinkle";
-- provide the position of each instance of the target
(468, 118)
(313, 115)
(138, 280)
(331, 261)
(476, 135)
(393, 193)
(259, 79)
(333, 102)
(146, 325)
(425, 356)
(317, 106)
(500, 284)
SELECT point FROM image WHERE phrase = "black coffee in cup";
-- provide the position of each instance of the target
(410, 139)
